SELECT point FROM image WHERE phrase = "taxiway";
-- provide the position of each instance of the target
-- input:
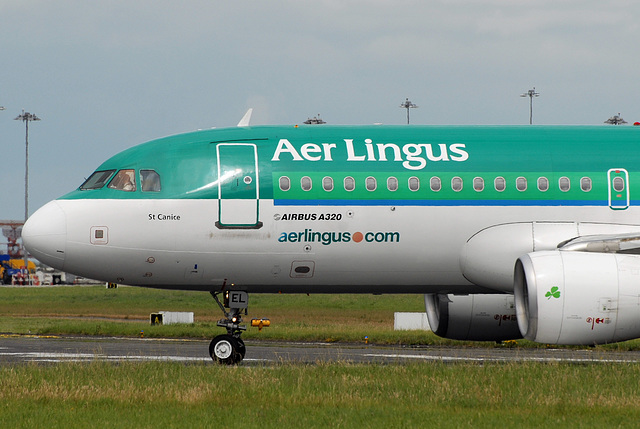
(40, 349)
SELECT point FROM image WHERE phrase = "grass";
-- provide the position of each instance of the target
(136, 303)
(161, 394)
(95, 310)
(125, 311)
(323, 395)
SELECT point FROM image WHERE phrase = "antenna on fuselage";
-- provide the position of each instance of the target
(244, 122)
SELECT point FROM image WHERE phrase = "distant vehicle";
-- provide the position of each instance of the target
(508, 231)
(14, 271)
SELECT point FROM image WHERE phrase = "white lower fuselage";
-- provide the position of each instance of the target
(176, 244)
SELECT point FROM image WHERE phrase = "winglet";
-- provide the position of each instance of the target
(244, 122)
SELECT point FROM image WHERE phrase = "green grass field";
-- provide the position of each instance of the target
(125, 311)
(152, 395)
(166, 395)
(95, 310)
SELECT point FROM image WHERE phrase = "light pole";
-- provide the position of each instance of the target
(26, 117)
(408, 105)
(315, 121)
(615, 120)
(531, 93)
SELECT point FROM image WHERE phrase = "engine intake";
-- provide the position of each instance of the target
(566, 297)
(472, 317)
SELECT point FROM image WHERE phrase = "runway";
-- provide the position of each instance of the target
(50, 349)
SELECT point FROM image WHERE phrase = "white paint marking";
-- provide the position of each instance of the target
(86, 357)
(496, 359)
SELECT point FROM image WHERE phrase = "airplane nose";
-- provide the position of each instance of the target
(44, 235)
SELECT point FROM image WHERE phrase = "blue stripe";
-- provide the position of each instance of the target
(444, 203)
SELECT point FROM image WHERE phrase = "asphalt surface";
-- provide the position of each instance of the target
(47, 349)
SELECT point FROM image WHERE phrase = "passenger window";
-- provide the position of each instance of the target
(285, 183)
(478, 184)
(500, 184)
(150, 181)
(305, 182)
(125, 180)
(349, 184)
(371, 183)
(585, 184)
(521, 184)
(97, 180)
(435, 184)
(392, 184)
(414, 183)
(565, 184)
(543, 184)
(327, 184)
(456, 184)
(618, 184)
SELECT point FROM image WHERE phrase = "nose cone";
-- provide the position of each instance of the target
(44, 235)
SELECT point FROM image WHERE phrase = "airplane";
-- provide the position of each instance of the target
(508, 231)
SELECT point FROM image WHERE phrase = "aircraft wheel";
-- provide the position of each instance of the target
(224, 350)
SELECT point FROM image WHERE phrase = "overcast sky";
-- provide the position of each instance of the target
(107, 75)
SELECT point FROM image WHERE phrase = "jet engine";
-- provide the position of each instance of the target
(568, 297)
(472, 317)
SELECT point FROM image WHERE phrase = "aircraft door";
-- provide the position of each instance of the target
(618, 180)
(238, 187)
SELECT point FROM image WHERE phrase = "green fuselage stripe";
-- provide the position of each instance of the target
(187, 164)
(597, 191)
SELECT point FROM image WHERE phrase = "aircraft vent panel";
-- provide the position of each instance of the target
(302, 269)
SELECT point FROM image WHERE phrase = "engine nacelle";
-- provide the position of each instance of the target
(472, 317)
(487, 257)
(565, 297)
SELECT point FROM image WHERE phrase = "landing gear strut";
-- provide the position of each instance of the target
(229, 348)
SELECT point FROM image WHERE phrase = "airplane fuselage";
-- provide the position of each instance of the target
(342, 209)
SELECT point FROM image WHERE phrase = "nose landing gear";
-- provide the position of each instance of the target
(229, 348)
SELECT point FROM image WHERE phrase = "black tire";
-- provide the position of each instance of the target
(242, 350)
(223, 349)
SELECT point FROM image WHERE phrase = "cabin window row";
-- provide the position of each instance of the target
(435, 184)
(124, 180)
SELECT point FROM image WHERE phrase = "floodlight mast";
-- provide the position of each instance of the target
(615, 120)
(408, 105)
(531, 93)
(26, 117)
(317, 120)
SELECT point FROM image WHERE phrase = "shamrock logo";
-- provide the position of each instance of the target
(553, 293)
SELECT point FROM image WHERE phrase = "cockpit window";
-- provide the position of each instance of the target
(125, 180)
(97, 180)
(149, 181)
